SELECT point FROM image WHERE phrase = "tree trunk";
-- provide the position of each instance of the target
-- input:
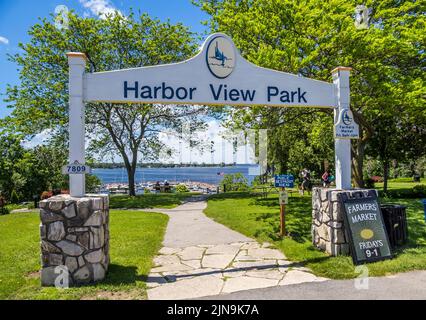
(358, 153)
(358, 148)
(385, 175)
(283, 166)
(326, 164)
(412, 168)
(131, 177)
(132, 173)
(395, 166)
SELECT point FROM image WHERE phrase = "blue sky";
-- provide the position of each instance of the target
(17, 16)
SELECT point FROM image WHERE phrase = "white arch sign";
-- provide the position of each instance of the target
(217, 75)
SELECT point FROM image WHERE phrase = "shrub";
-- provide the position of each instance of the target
(146, 191)
(369, 183)
(420, 190)
(4, 210)
(234, 182)
(377, 178)
(181, 188)
(93, 183)
(14, 197)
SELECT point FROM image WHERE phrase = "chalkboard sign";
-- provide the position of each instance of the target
(284, 181)
(366, 230)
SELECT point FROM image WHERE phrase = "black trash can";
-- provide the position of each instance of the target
(395, 219)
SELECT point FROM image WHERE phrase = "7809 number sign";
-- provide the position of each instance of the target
(76, 168)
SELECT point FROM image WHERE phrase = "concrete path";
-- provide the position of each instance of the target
(201, 258)
(403, 286)
(24, 210)
(188, 226)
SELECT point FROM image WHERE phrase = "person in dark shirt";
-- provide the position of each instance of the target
(157, 187)
(166, 186)
(326, 178)
(306, 180)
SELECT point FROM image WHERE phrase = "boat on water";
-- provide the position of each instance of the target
(150, 187)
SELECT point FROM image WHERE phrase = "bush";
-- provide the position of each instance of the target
(420, 190)
(377, 178)
(14, 197)
(369, 183)
(92, 183)
(181, 188)
(4, 210)
(234, 182)
(146, 191)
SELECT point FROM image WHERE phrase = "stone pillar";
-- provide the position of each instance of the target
(328, 226)
(74, 233)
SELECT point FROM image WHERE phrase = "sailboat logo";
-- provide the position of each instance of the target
(220, 57)
(346, 118)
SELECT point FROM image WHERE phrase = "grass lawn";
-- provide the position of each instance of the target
(400, 183)
(151, 200)
(259, 218)
(135, 239)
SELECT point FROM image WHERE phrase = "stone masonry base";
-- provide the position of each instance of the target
(328, 230)
(74, 234)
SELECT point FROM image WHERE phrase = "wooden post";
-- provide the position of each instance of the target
(282, 217)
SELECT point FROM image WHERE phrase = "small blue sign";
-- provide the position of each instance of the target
(284, 181)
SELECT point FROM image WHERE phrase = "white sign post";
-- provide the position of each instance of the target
(342, 145)
(77, 63)
(217, 75)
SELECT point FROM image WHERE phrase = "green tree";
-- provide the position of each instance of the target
(181, 188)
(234, 182)
(41, 100)
(11, 152)
(397, 139)
(312, 37)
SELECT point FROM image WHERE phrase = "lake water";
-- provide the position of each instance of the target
(199, 174)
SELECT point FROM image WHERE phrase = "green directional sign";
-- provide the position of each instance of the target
(366, 230)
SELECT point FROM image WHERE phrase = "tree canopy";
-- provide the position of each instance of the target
(311, 38)
(41, 100)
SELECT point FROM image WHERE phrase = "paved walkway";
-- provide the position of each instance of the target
(402, 286)
(201, 258)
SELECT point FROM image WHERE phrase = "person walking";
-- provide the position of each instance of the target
(157, 187)
(306, 181)
(326, 178)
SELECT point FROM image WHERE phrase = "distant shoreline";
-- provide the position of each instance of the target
(210, 175)
(160, 165)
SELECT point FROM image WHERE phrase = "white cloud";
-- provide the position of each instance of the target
(38, 139)
(223, 150)
(4, 40)
(100, 8)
